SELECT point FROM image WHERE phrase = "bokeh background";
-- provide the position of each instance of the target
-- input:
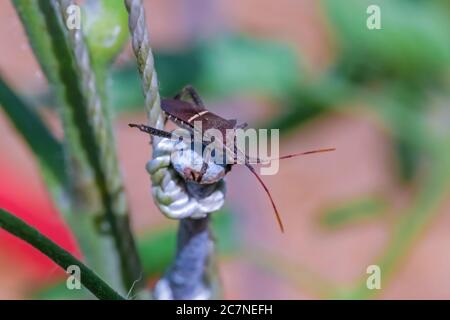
(313, 70)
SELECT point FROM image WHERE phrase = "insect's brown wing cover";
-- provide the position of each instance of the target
(188, 113)
(213, 121)
(179, 109)
(226, 143)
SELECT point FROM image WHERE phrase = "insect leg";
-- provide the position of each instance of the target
(192, 93)
(206, 159)
(242, 125)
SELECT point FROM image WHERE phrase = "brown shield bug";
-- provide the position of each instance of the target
(184, 114)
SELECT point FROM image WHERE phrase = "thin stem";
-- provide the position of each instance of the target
(61, 257)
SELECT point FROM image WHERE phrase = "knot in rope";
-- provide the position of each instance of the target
(174, 193)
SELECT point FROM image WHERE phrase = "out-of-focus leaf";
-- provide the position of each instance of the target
(41, 141)
(411, 44)
(124, 89)
(310, 100)
(401, 109)
(408, 159)
(237, 65)
(226, 66)
(288, 270)
(175, 70)
(157, 250)
(352, 212)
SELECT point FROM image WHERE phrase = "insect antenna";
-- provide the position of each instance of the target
(304, 153)
(258, 160)
(277, 214)
(151, 130)
(250, 167)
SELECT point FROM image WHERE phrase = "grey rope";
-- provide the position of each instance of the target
(188, 276)
(187, 279)
(141, 47)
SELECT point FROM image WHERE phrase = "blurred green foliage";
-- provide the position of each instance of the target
(357, 210)
(228, 65)
(37, 136)
(412, 44)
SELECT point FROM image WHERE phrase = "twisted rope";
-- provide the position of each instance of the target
(141, 47)
(176, 198)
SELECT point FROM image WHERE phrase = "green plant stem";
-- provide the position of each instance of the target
(61, 257)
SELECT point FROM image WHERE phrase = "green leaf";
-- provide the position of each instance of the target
(238, 65)
(412, 43)
(355, 211)
(225, 66)
(41, 141)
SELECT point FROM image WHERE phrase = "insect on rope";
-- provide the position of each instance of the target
(184, 114)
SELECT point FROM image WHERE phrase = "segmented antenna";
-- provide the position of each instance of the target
(248, 165)
(304, 153)
(258, 160)
(277, 214)
(151, 130)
